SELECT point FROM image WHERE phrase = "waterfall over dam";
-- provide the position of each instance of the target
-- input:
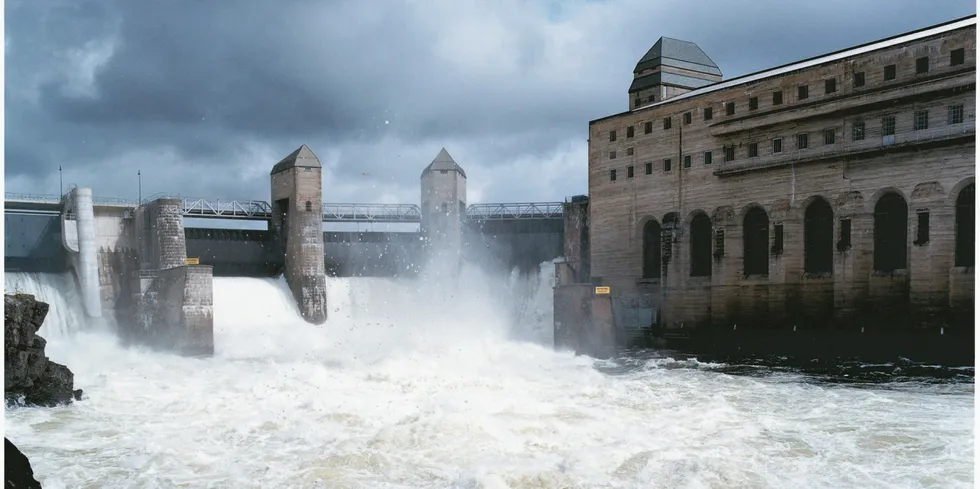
(436, 383)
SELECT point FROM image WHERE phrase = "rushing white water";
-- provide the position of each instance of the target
(427, 384)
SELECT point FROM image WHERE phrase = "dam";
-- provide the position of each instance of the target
(149, 267)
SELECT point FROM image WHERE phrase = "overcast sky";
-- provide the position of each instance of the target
(203, 97)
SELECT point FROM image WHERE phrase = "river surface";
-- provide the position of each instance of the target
(411, 385)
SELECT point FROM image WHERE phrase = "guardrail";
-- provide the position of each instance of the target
(513, 211)
(332, 212)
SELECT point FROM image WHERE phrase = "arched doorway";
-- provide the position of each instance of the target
(755, 241)
(818, 237)
(651, 249)
(701, 245)
(965, 226)
(891, 224)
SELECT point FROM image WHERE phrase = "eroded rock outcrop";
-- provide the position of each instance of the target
(17, 470)
(28, 373)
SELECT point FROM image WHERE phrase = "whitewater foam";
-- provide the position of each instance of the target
(423, 384)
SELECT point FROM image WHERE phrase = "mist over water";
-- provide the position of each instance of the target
(451, 382)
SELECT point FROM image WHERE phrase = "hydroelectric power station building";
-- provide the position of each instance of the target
(831, 195)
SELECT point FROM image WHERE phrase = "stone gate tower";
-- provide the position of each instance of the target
(443, 203)
(297, 222)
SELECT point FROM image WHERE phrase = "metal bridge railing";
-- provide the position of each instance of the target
(334, 212)
(525, 210)
(230, 208)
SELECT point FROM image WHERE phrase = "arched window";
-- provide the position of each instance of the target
(701, 246)
(965, 226)
(651, 249)
(818, 238)
(309, 206)
(755, 242)
(891, 233)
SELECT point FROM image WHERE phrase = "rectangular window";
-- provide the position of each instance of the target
(859, 79)
(666, 164)
(844, 242)
(730, 108)
(707, 157)
(708, 113)
(954, 114)
(802, 141)
(777, 239)
(612, 155)
(889, 72)
(922, 65)
(888, 126)
(649, 169)
(830, 85)
(651, 99)
(922, 232)
(612, 136)
(857, 131)
(729, 153)
(612, 175)
(802, 92)
(629, 171)
(687, 118)
(647, 127)
(687, 161)
(921, 120)
(777, 97)
(666, 123)
(636, 102)
(777, 145)
(753, 150)
(957, 57)
(753, 103)
(719, 243)
(828, 136)
(629, 132)
(629, 151)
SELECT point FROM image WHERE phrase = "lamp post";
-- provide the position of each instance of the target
(61, 181)
(139, 186)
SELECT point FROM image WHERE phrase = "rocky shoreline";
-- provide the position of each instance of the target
(30, 378)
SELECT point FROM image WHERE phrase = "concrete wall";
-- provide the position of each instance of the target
(32, 243)
(443, 208)
(926, 166)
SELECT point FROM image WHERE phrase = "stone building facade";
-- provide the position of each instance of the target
(834, 190)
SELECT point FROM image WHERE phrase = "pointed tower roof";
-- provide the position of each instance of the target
(678, 54)
(303, 157)
(444, 162)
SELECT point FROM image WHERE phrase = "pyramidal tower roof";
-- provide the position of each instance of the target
(302, 157)
(444, 162)
(678, 54)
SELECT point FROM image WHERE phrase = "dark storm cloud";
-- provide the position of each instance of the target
(203, 97)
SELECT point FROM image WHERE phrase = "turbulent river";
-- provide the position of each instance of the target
(411, 384)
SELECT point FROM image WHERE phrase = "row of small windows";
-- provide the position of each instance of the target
(956, 57)
(920, 121)
(890, 234)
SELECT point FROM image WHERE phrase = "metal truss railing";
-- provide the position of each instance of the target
(371, 213)
(516, 211)
(332, 212)
(227, 209)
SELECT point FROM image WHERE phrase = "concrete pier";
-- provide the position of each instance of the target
(297, 222)
(78, 227)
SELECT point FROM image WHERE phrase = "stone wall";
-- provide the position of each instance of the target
(177, 310)
(576, 238)
(926, 162)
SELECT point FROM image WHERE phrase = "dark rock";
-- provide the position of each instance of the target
(28, 373)
(17, 468)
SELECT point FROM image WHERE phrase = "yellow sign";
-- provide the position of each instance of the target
(192, 261)
(602, 290)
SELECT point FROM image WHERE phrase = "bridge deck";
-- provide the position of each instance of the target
(332, 212)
